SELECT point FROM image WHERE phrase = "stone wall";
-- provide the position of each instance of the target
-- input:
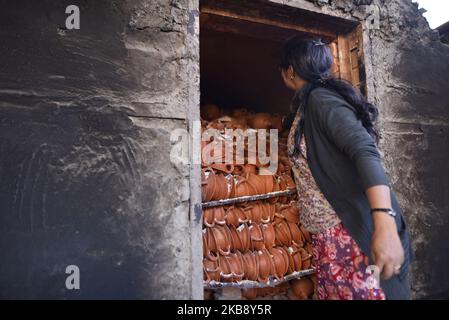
(407, 75)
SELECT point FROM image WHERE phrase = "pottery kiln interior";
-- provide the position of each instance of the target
(240, 43)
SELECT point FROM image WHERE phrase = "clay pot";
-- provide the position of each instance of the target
(262, 292)
(231, 267)
(243, 187)
(238, 170)
(272, 291)
(290, 212)
(268, 181)
(212, 216)
(267, 212)
(280, 263)
(265, 264)
(288, 256)
(284, 165)
(220, 126)
(302, 288)
(308, 247)
(306, 258)
(257, 242)
(283, 236)
(244, 236)
(219, 216)
(276, 122)
(260, 121)
(282, 187)
(209, 245)
(230, 186)
(275, 189)
(224, 122)
(208, 184)
(297, 236)
(208, 217)
(249, 294)
(240, 113)
(286, 182)
(225, 269)
(211, 112)
(221, 187)
(257, 182)
(253, 211)
(211, 153)
(211, 270)
(284, 288)
(236, 244)
(240, 123)
(268, 235)
(208, 294)
(297, 257)
(235, 216)
(280, 169)
(222, 167)
(236, 263)
(205, 248)
(250, 266)
(222, 237)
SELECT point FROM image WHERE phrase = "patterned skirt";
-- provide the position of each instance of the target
(342, 268)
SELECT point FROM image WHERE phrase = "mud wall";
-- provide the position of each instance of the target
(407, 73)
(85, 123)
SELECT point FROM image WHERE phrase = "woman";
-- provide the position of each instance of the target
(344, 193)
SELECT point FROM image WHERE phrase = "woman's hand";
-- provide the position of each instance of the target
(386, 247)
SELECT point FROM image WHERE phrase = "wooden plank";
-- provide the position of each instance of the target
(355, 39)
(283, 13)
(351, 58)
(336, 66)
(212, 24)
(271, 22)
(344, 58)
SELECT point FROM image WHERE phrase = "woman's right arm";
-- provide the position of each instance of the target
(340, 124)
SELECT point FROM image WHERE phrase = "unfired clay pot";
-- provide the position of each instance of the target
(283, 236)
(290, 212)
(297, 236)
(211, 112)
(256, 235)
(260, 121)
(211, 270)
(302, 288)
(280, 263)
(250, 265)
(244, 236)
(222, 237)
(235, 216)
(265, 264)
(276, 122)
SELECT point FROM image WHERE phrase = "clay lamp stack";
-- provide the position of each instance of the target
(256, 240)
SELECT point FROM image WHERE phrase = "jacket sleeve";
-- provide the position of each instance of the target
(339, 123)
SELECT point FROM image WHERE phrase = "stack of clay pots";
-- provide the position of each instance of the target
(255, 240)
